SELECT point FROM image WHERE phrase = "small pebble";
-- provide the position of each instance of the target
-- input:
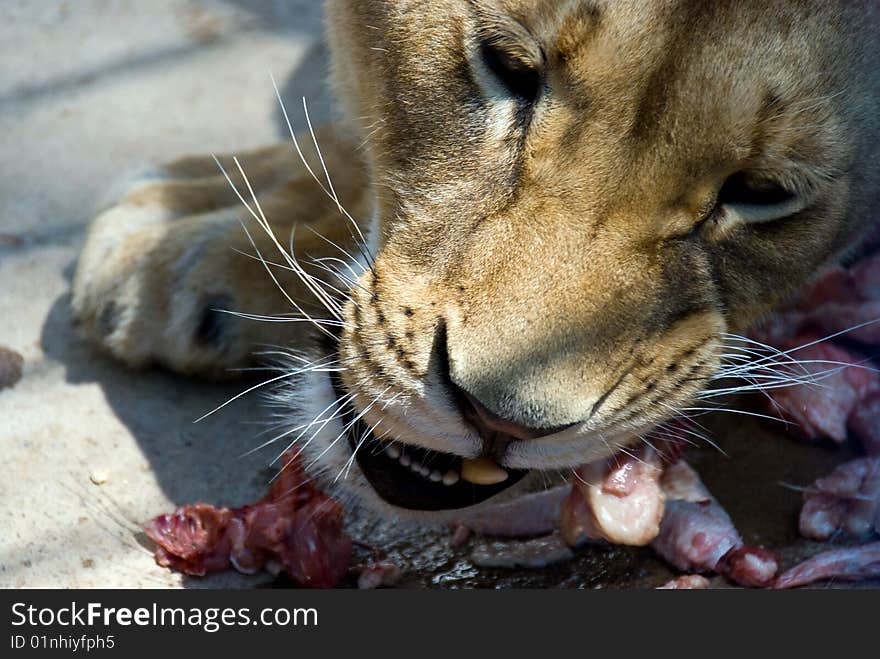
(11, 364)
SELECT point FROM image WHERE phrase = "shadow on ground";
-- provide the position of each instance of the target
(191, 461)
(159, 407)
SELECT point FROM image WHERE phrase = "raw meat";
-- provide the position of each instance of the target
(618, 500)
(749, 566)
(697, 535)
(379, 574)
(847, 500)
(849, 564)
(845, 301)
(294, 528)
(844, 401)
(823, 409)
(686, 582)
(532, 514)
(695, 532)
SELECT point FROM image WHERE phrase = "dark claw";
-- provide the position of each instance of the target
(108, 319)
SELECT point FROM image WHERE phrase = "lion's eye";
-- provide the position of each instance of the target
(752, 198)
(521, 80)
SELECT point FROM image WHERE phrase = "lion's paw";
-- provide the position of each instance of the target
(147, 291)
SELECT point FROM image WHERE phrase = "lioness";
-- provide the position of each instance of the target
(528, 240)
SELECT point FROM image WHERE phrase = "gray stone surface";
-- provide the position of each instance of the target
(89, 91)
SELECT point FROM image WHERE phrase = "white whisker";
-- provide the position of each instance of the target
(348, 427)
(339, 404)
(248, 390)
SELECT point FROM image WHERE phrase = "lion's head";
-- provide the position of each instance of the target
(575, 203)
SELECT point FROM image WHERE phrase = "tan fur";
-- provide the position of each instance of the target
(173, 247)
(558, 265)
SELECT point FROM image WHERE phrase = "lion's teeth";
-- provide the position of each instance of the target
(450, 478)
(482, 471)
(488, 475)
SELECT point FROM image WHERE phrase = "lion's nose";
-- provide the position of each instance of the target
(494, 429)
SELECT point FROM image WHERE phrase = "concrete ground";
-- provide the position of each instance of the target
(90, 90)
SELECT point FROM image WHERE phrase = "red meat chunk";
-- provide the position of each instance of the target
(697, 535)
(618, 500)
(841, 301)
(844, 401)
(849, 564)
(294, 528)
(848, 500)
(686, 582)
(750, 566)
(379, 574)
(823, 409)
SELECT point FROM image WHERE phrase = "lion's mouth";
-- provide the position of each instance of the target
(415, 478)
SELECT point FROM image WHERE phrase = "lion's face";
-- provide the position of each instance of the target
(575, 203)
